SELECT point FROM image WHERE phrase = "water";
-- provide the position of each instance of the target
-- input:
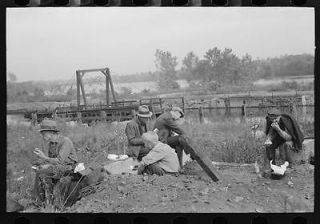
(136, 87)
(265, 82)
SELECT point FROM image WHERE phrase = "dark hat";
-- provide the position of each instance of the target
(48, 125)
(143, 111)
(179, 110)
(274, 111)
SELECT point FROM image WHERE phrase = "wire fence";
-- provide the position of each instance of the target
(215, 114)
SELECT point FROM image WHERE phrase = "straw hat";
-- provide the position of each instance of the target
(274, 111)
(143, 111)
(48, 125)
(179, 110)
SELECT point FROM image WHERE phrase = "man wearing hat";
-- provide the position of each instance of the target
(170, 132)
(135, 129)
(61, 159)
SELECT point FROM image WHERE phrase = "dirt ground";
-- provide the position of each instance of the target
(240, 191)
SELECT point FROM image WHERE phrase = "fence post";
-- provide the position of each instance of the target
(304, 108)
(293, 109)
(133, 113)
(54, 114)
(217, 106)
(243, 112)
(103, 116)
(201, 114)
(79, 120)
(227, 105)
(210, 108)
(34, 118)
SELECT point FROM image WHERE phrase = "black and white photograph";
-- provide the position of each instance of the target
(160, 110)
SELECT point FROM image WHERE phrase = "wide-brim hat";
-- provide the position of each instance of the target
(48, 125)
(179, 110)
(144, 111)
(274, 111)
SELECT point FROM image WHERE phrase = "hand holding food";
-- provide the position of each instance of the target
(275, 125)
(39, 153)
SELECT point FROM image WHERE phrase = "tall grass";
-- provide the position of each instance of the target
(220, 141)
(227, 142)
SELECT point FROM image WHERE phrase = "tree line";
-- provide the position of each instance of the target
(217, 68)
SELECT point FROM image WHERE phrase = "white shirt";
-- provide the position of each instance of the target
(163, 156)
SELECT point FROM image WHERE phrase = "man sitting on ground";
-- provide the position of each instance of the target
(134, 130)
(161, 159)
(60, 161)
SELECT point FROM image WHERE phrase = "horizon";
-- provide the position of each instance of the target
(50, 44)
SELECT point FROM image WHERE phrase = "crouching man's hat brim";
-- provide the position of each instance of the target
(48, 125)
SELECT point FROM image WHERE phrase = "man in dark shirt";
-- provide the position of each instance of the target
(134, 130)
(282, 132)
(61, 160)
(170, 132)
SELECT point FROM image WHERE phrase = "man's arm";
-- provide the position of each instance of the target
(282, 133)
(153, 156)
(173, 126)
(131, 136)
(136, 141)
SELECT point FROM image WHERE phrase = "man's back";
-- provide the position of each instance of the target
(165, 123)
(164, 156)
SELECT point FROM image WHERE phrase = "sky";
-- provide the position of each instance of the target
(52, 43)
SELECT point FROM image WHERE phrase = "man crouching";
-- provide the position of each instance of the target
(161, 159)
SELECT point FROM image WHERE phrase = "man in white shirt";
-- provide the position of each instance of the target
(161, 159)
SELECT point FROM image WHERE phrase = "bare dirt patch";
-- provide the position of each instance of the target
(193, 191)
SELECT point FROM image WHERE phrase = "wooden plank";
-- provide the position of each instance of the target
(83, 92)
(93, 70)
(78, 88)
(204, 162)
(112, 89)
(107, 90)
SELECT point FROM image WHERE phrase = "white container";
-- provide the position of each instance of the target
(115, 157)
(279, 170)
(79, 167)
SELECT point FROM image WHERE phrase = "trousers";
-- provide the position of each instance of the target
(283, 152)
(45, 181)
(153, 169)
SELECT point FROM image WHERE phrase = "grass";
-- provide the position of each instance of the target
(221, 141)
(92, 145)
(227, 142)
